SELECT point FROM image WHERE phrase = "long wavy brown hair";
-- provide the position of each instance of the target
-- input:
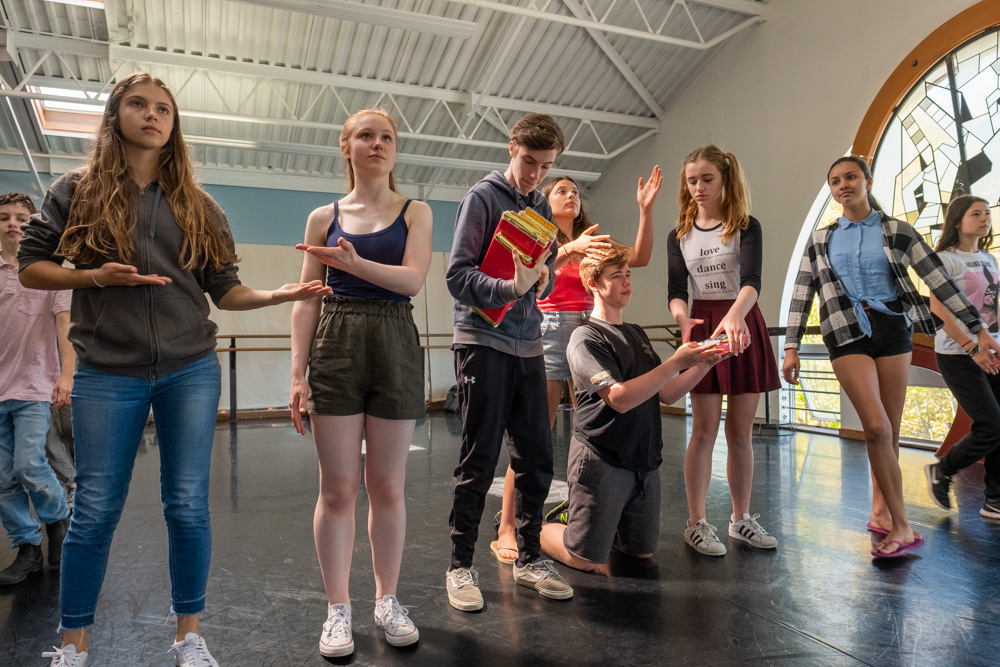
(957, 209)
(581, 222)
(735, 193)
(103, 213)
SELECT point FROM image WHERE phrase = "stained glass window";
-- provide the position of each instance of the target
(943, 140)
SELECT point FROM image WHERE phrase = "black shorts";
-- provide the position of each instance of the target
(891, 335)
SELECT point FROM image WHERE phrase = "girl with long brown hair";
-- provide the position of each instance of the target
(717, 248)
(365, 385)
(147, 244)
(970, 371)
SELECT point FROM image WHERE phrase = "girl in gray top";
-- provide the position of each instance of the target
(146, 243)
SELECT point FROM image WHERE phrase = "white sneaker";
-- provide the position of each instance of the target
(192, 652)
(702, 537)
(66, 657)
(336, 640)
(395, 620)
(751, 532)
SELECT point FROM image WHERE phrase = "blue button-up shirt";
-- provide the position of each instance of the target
(858, 256)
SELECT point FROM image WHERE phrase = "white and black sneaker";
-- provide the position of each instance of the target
(337, 640)
(938, 485)
(990, 510)
(701, 536)
(748, 530)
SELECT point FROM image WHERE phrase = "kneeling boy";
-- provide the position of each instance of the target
(614, 453)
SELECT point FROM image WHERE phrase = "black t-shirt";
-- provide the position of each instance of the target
(600, 355)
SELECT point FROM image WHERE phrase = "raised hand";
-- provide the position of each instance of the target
(646, 193)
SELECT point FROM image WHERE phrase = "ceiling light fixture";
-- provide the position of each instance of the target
(375, 15)
(93, 4)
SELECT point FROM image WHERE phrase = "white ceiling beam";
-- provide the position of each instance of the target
(402, 158)
(94, 88)
(604, 27)
(115, 53)
(748, 7)
(617, 60)
(375, 15)
(128, 53)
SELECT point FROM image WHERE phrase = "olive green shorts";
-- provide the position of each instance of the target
(366, 358)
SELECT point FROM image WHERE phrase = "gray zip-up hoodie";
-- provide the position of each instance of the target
(145, 331)
(519, 333)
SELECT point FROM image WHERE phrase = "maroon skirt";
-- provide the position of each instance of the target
(752, 372)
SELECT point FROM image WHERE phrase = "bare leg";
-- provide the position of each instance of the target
(506, 535)
(77, 638)
(706, 412)
(387, 442)
(185, 624)
(740, 411)
(555, 389)
(862, 381)
(552, 544)
(338, 445)
(893, 394)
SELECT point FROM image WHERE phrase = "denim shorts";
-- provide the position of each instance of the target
(891, 335)
(557, 326)
(366, 358)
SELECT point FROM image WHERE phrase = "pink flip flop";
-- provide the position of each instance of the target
(904, 548)
(875, 529)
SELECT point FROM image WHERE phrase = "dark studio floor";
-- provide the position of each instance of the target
(819, 599)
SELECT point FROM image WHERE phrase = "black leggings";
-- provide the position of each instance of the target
(979, 395)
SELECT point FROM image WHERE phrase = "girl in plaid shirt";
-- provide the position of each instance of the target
(858, 267)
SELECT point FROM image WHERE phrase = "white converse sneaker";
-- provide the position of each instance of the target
(394, 619)
(66, 657)
(192, 652)
(337, 640)
(751, 532)
(702, 537)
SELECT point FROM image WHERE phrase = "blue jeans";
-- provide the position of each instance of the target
(24, 472)
(109, 414)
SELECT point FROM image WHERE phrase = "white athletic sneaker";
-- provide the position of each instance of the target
(702, 537)
(395, 620)
(336, 640)
(66, 657)
(751, 532)
(192, 652)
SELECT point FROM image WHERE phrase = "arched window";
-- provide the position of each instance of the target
(940, 140)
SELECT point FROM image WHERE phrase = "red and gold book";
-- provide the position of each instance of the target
(524, 232)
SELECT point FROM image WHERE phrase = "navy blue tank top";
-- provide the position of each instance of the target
(385, 246)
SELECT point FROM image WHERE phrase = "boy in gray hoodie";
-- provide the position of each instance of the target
(500, 370)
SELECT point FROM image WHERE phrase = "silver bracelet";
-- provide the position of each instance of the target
(93, 276)
(974, 350)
